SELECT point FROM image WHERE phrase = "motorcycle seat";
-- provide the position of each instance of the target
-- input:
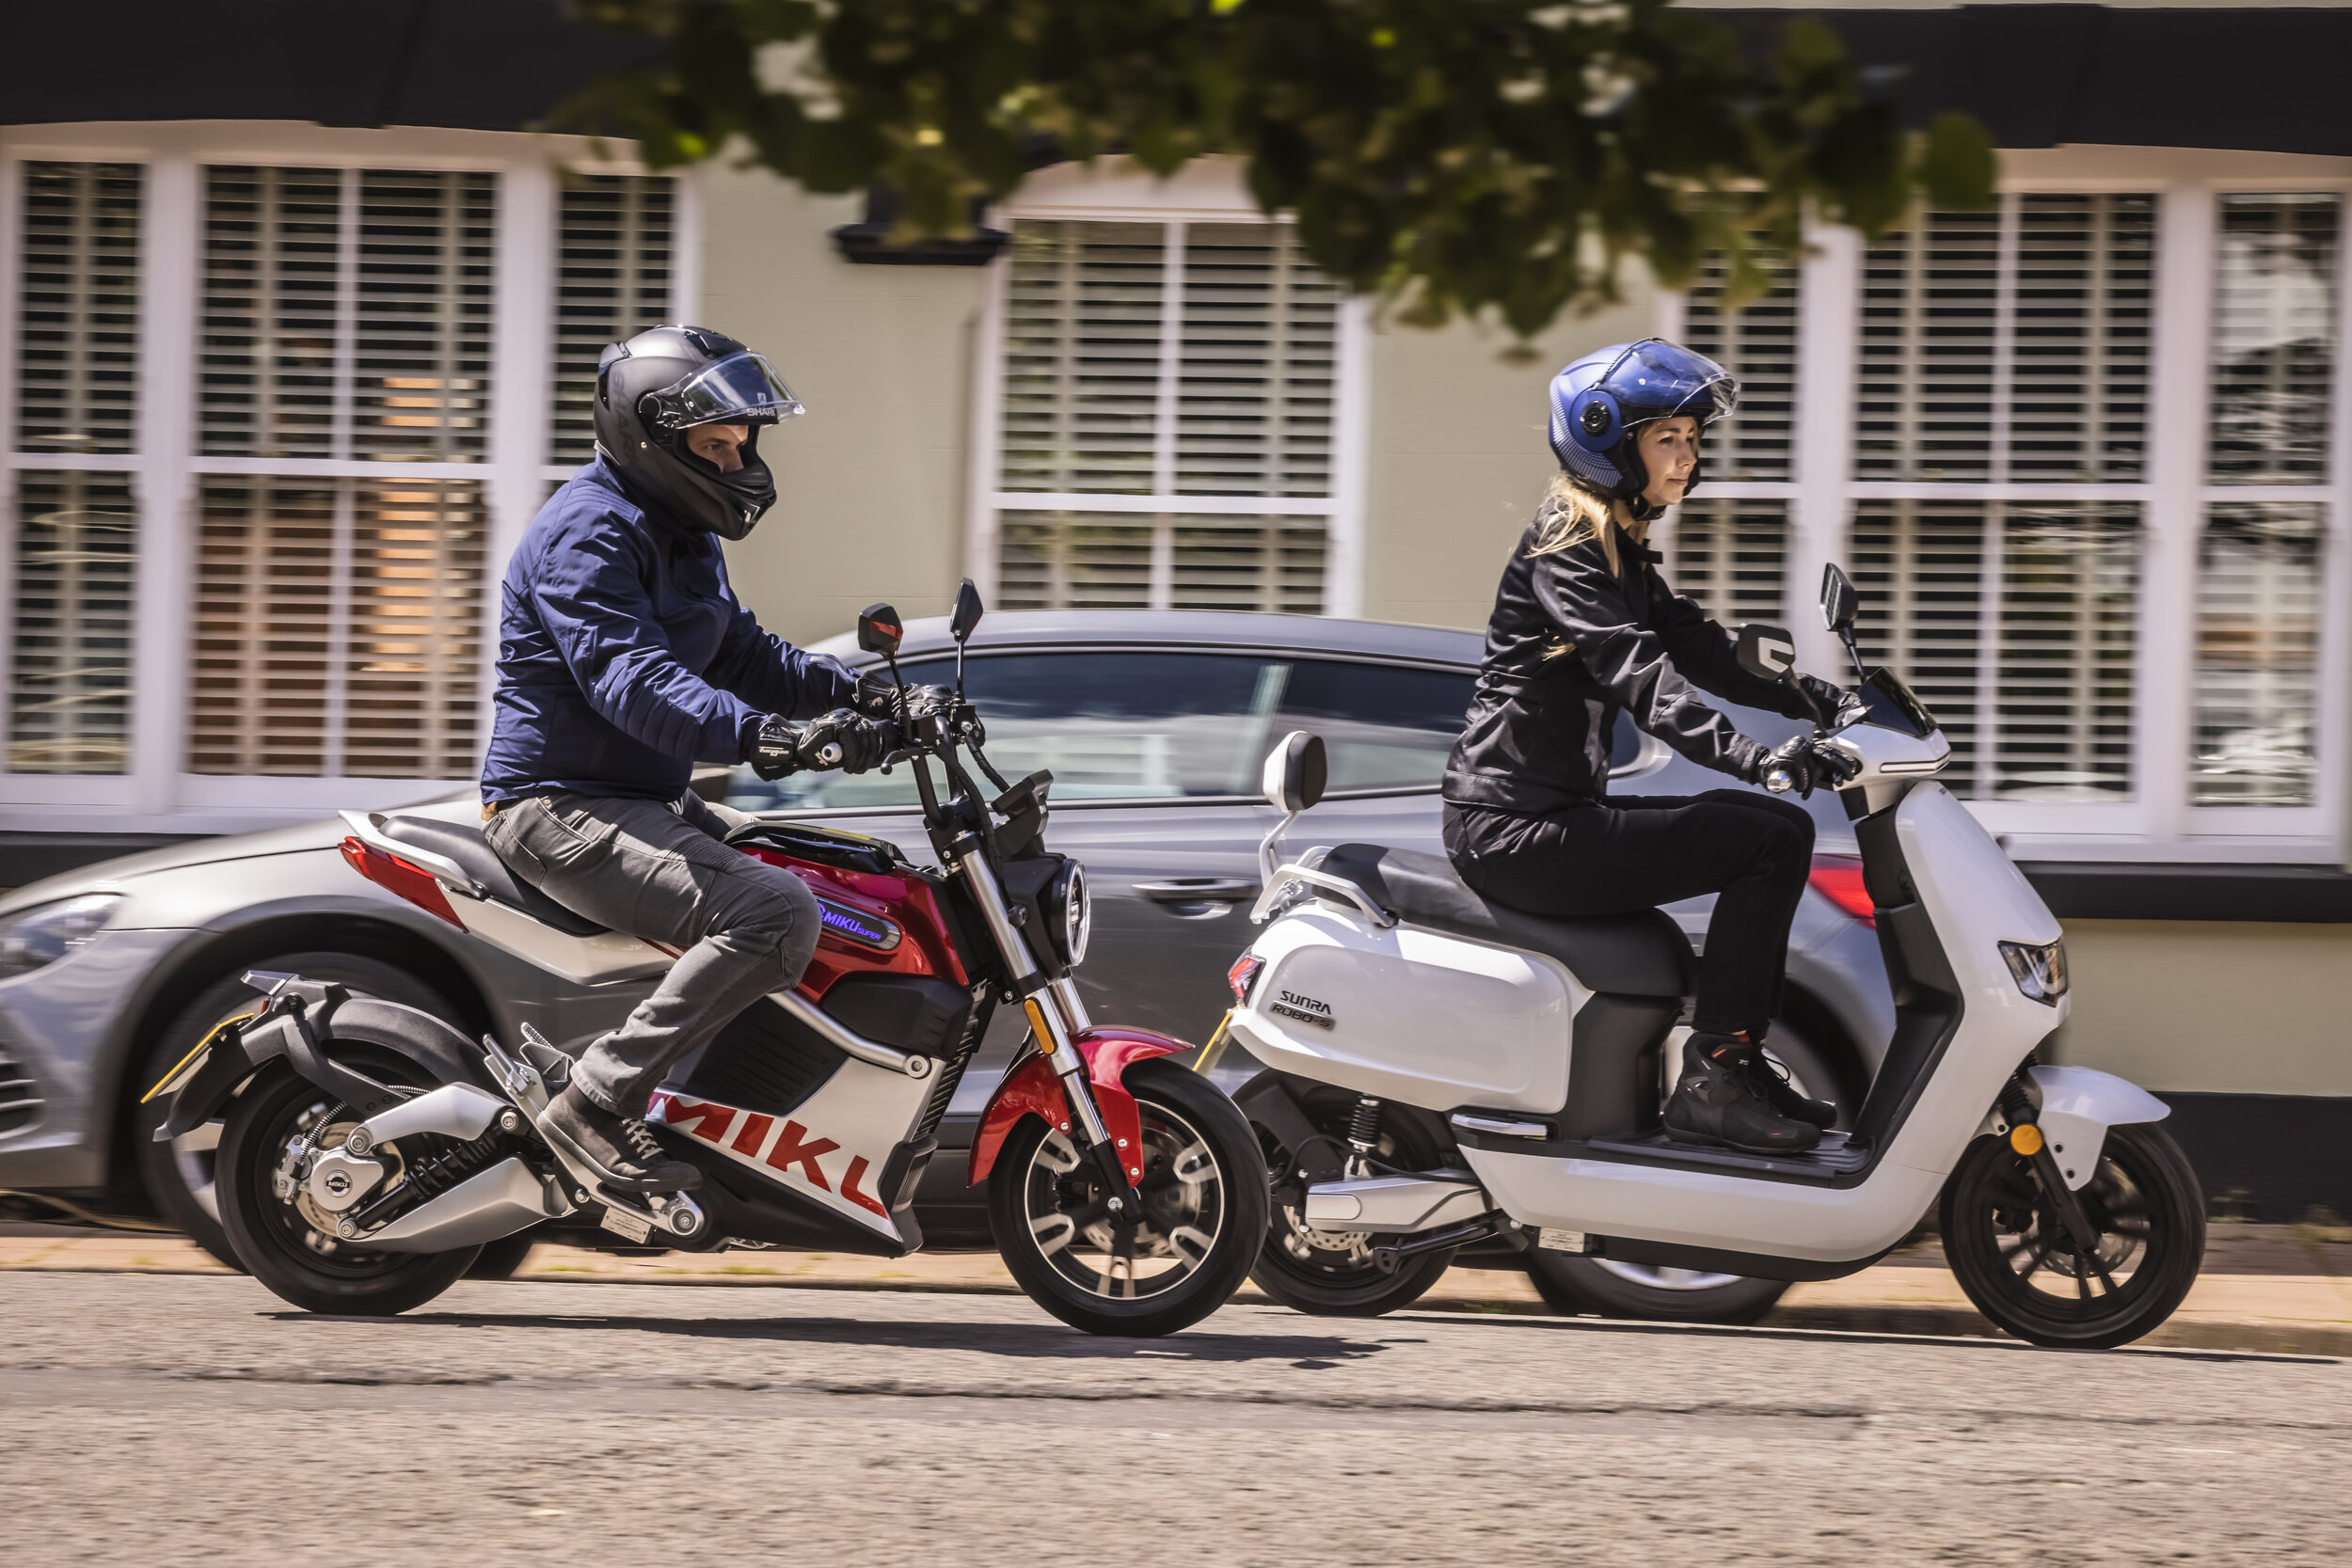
(462, 841)
(1640, 953)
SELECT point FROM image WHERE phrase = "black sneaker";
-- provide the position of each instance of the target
(1719, 1103)
(621, 1151)
(1772, 1078)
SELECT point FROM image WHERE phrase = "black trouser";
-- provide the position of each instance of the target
(1636, 852)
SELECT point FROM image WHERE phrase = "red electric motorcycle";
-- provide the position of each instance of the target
(373, 1150)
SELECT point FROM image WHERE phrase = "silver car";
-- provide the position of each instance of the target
(1153, 725)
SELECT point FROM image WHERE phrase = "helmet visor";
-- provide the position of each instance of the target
(742, 389)
(1657, 380)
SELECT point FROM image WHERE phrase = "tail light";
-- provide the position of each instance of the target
(1838, 878)
(1244, 972)
(394, 874)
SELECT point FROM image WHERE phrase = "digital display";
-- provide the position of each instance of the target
(868, 931)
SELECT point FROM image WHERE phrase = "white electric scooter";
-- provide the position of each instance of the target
(1519, 1058)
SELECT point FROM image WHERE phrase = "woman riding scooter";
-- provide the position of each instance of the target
(1584, 627)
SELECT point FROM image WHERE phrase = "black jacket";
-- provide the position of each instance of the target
(1569, 645)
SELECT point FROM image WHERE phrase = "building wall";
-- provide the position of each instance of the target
(1457, 458)
(2195, 1006)
(870, 480)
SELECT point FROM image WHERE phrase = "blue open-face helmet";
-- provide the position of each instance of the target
(1601, 400)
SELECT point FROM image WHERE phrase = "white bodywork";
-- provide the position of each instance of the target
(2079, 1105)
(1395, 1203)
(1435, 1022)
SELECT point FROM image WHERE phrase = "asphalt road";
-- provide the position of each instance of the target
(159, 1419)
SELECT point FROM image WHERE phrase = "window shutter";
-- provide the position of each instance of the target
(70, 670)
(1259, 338)
(347, 314)
(1081, 357)
(613, 281)
(2009, 345)
(77, 309)
(1757, 343)
(2258, 636)
(338, 628)
(1166, 362)
(1731, 558)
(2274, 334)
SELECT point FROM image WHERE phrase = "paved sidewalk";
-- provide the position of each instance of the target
(2267, 1288)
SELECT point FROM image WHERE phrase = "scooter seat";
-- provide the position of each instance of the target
(462, 841)
(1640, 953)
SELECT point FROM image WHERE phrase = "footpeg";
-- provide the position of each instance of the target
(673, 1214)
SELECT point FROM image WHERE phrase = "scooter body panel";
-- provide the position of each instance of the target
(1410, 1015)
(2079, 1105)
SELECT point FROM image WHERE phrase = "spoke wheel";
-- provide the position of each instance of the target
(1332, 1273)
(1204, 1212)
(284, 1240)
(2013, 1254)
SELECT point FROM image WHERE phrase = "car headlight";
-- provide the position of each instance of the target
(2039, 970)
(1072, 911)
(47, 932)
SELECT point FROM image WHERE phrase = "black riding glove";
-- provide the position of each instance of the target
(878, 697)
(841, 739)
(1829, 697)
(1804, 764)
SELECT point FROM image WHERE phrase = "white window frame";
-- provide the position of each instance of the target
(1207, 190)
(2159, 822)
(166, 469)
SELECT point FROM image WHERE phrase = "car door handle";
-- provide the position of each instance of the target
(1198, 890)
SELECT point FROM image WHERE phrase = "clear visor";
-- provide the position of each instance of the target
(1656, 380)
(742, 389)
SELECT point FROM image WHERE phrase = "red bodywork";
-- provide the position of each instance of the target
(1032, 1089)
(905, 900)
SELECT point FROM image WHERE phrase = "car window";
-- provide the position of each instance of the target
(1152, 726)
(1110, 726)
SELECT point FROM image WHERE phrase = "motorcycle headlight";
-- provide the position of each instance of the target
(1072, 911)
(39, 936)
(2039, 970)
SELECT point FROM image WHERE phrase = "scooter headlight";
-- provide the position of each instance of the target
(2039, 970)
(1072, 911)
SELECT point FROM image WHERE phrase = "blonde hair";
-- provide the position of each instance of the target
(1570, 515)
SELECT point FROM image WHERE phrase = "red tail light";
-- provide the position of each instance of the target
(1840, 881)
(419, 887)
(1245, 970)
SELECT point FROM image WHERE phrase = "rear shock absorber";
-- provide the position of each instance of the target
(434, 1177)
(1364, 1135)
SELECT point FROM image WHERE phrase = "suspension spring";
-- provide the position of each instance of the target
(1363, 1132)
(434, 1177)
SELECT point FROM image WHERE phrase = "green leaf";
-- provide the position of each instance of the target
(1957, 165)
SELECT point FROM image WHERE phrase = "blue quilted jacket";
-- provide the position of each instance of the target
(624, 658)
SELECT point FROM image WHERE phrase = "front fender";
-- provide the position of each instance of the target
(2079, 1105)
(1032, 1089)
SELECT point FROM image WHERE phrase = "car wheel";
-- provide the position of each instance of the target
(178, 1176)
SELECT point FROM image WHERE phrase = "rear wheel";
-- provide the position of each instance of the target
(179, 1174)
(286, 1241)
(1332, 1273)
(2016, 1259)
(1204, 1195)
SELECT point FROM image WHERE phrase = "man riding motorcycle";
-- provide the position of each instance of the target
(623, 659)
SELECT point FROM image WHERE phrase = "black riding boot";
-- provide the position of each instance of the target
(620, 1150)
(1718, 1101)
(1772, 1079)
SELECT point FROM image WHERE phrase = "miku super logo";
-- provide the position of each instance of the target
(1304, 1008)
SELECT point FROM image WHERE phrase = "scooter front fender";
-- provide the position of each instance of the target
(2079, 1105)
(1032, 1089)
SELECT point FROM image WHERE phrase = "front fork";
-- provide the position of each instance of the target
(2026, 1140)
(1057, 1017)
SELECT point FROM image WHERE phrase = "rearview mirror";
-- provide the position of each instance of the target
(1768, 652)
(966, 614)
(1295, 772)
(1839, 599)
(879, 631)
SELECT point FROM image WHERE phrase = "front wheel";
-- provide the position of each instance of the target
(2013, 1254)
(1205, 1196)
(280, 1235)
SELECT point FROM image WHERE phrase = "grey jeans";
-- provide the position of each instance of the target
(660, 873)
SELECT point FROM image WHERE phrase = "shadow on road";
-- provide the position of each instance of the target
(1305, 1351)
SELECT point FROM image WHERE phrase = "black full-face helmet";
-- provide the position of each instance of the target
(660, 383)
